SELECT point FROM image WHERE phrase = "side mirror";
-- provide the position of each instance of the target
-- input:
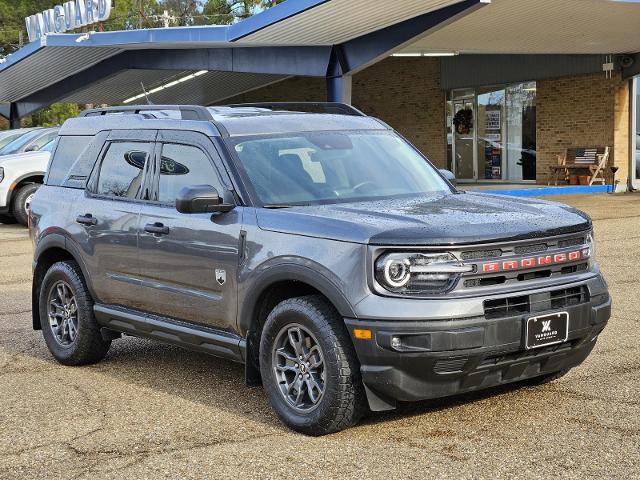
(32, 148)
(201, 199)
(449, 176)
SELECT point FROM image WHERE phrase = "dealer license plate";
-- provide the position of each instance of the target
(547, 330)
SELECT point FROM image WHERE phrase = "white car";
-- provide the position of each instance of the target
(20, 176)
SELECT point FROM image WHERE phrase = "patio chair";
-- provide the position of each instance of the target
(591, 159)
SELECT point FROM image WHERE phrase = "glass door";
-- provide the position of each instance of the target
(464, 135)
(491, 134)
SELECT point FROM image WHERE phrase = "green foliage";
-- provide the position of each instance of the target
(133, 14)
(56, 114)
(218, 12)
(12, 15)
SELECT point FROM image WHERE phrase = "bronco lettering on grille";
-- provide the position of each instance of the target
(532, 262)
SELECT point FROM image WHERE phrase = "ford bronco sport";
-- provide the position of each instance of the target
(319, 248)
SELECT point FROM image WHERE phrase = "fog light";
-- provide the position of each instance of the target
(396, 343)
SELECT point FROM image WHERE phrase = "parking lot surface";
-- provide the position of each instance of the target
(155, 411)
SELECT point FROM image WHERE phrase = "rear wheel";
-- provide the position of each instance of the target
(309, 368)
(22, 202)
(69, 327)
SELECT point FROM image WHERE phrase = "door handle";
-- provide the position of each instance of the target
(87, 219)
(156, 228)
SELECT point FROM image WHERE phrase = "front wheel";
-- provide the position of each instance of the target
(309, 368)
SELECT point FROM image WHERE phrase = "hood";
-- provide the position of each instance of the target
(438, 219)
(34, 158)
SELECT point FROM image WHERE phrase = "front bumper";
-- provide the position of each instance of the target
(448, 357)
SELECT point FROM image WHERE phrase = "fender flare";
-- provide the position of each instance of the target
(318, 278)
(47, 242)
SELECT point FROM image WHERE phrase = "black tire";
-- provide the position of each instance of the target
(7, 219)
(18, 204)
(342, 402)
(544, 379)
(87, 346)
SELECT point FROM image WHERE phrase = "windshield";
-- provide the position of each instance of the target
(8, 137)
(49, 147)
(19, 142)
(330, 167)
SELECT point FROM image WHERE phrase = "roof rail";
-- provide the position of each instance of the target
(324, 107)
(188, 112)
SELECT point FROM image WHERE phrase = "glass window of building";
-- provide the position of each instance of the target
(491, 133)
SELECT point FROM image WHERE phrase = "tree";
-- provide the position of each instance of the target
(228, 11)
(56, 114)
(133, 14)
(12, 15)
(218, 12)
(183, 10)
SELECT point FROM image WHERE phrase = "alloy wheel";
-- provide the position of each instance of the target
(299, 368)
(27, 203)
(62, 311)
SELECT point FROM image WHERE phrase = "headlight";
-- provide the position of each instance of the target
(1, 174)
(418, 273)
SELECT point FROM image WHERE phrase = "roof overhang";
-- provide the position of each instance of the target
(540, 27)
(294, 38)
(302, 37)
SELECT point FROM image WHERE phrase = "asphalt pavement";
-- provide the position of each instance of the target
(155, 411)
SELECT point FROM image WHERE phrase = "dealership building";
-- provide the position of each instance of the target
(493, 90)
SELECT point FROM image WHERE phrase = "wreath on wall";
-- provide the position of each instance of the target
(463, 121)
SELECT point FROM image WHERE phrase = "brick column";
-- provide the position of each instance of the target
(621, 130)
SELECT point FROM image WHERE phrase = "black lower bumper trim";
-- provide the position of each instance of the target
(424, 369)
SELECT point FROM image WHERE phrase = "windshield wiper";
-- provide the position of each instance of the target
(285, 205)
(278, 205)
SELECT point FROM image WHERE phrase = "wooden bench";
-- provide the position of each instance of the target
(591, 159)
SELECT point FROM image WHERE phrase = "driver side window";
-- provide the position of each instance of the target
(182, 166)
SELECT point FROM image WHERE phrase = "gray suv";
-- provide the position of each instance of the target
(313, 244)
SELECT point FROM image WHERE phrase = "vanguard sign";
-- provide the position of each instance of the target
(68, 16)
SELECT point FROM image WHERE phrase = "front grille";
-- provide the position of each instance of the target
(524, 276)
(481, 254)
(527, 249)
(485, 282)
(506, 307)
(450, 365)
(522, 354)
(571, 242)
(568, 297)
(494, 265)
(539, 302)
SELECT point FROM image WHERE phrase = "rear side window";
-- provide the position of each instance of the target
(66, 154)
(122, 169)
